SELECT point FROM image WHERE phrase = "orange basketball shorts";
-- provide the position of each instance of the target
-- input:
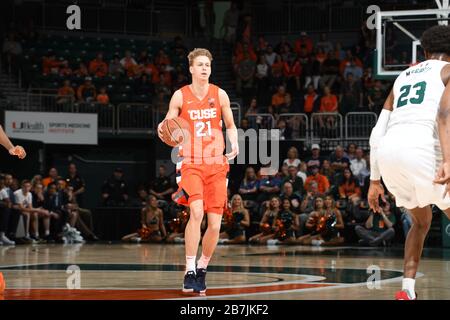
(207, 182)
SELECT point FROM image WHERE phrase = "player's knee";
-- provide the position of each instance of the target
(196, 215)
(214, 226)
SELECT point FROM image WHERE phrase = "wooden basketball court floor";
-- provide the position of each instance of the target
(150, 271)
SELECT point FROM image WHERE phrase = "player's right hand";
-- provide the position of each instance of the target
(18, 151)
(375, 191)
(443, 173)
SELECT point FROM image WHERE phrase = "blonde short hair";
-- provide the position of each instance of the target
(198, 52)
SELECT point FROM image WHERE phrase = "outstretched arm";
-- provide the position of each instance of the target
(376, 189)
(13, 150)
(443, 120)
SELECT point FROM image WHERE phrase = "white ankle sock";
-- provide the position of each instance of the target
(408, 284)
(190, 263)
(203, 262)
(47, 232)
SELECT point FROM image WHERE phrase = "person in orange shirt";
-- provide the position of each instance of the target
(129, 64)
(349, 188)
(82, 70)
(323, 184)
(98, 67)
(304, 40)
(292, 71)
(310, 100)
(348, 59)
(103, 97)
(87, 92)
(50, 64)
(52, 177)
(279, 99)
(328, 104)
(65, 70)
(66, 94)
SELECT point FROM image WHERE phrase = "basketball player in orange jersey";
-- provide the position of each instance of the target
(203, 168)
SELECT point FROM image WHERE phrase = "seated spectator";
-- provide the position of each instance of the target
(303, 41)
(83, 216)
(338, 160)
(24, 204)
(270, 55)
(351, 96)
(269, 186)
(310, 101)
(301, 173)
(115, 190)
(5, 213)
(349, 188)
(271, 210)
(312, 192)
(55, 202)
(103, 97)
(180, 81)
(38, 199)
(312, 72)
(129, 64)
(52, 177)
(349, 59)
(115, 67)
(144, 85)
(75, 180)
(285, 130)
(358, 166)
(50, 65)
(177, 225)
(245, 78)
(162, 58)
(162, 89)
(262, 75)
(315, 159)
(288, 192)
(150, 70)
(294, 179)
(279, 99)
(327, 171)
(350, 153)
(82, 70)
(65, 70)
(152, 224)
(236, 219)
(285, 225)
(162, 187)
(292, 157)
(323, 184)
(87, 92)
(378, 229)
(328, 104)
(249, 186)
(325, 223)
(376, 97)
(354, 69)
(324, 44)
(314, 213)
(292, 70)
(98, 67)
(66, 94)
(330, 70)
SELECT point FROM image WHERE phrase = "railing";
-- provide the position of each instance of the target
(49, 103)
(261, 121)
(236, 109)
(358, 125)
(106, 114)
(327, 126)
(135, 118)
(299, 124)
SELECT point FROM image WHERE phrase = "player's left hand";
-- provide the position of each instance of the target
(18, 151)
(234, 151)
(375, 191)
(443, 173)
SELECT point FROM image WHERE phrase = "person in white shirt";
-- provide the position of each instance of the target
(359, 166)
(5, 212)
(292, 157)
(24, 203)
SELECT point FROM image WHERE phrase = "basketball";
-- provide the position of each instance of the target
(2, 284)
(175, 131)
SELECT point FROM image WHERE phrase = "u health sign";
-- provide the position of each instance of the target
(49, 127)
